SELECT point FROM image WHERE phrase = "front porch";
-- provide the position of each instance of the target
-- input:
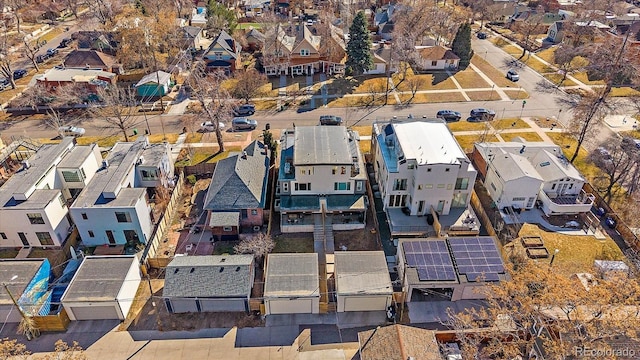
(296, 212)
(294, 68)
(459, 222)
(565, 204)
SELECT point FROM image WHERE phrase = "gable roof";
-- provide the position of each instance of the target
(99, 278)
(239, 182)
(225, 41)
(362, 272)
(88, 58)
(306, 35)
(398, 342)
(191, 31)
(153, 78)
(437, 53)
(254, 33)
(209, 276)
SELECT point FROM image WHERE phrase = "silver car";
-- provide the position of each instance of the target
(71, 131)
(243, 123)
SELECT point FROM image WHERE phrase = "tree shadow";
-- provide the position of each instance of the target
(439, 77)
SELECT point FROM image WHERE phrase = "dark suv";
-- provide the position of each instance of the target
(481, 114)
(330, 120)
(448, 115)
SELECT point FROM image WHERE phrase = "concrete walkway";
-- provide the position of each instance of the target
(455, 81)
(497, 89)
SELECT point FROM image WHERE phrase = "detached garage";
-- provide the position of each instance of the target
(292, 284)
(103, 288)
(216, 283)
(362, 281)
(27, 280)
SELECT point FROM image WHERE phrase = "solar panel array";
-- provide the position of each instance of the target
(477, 258)
(431, 259)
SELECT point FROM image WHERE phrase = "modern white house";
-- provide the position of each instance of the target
(33, 202)
(321, 172)
(114, 208)
(523, 175)
(420, 168)
(103, 288)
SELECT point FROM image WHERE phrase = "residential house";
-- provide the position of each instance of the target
(522, 174)
(254, 39)
(191, 37)
(199, 15)
(384, 61)
(52, 10)
(33, 202)
(156, 84)
(223, 54)
(292, 285)
(455, 268)
(421, 170)
(28, 282)
(437, 58)
(298, 53)
(214, 283)
(91, 60)
(87, 80)
(321, 173)
(96, 40)
(103, 288)
(113, 209)
(362, 281)
(236, 197)
(383, 21)
(556, 31)
(398, 342)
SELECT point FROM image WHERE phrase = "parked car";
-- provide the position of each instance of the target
(71, 131)
(64, 43)
(513, 75)
(19, 74)
(42, 58)
(207, 126)
(245, 110)
(630, 143)
(481, 114)
(52, 52)
(448, 115)
(482, 35)
(243, 123)
(330, 120)
(4, 83)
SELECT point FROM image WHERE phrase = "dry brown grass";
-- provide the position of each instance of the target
(517, 94)
(469, 79)
(496, 75)
(528, 136)
(485, 95)
(433, 98)
(556, 78)
(467, 126)
(510, 123)
(467, 141)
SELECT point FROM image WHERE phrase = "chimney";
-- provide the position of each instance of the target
(244, 155)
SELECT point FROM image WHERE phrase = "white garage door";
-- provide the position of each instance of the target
(94, 312)
(365, 303)
(222, 305)
(297, 306)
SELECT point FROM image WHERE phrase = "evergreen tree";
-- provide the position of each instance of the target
(359, 58)
(461, 45)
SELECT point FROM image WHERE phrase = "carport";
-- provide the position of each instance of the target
(103, 288)
(292, 284)
(363, 282)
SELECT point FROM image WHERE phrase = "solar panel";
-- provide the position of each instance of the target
(431, 259)
(477, 258)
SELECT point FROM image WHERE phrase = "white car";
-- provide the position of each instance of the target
(71, 131)
(208, 126)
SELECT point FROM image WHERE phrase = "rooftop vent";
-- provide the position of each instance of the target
(26, 165)
(221, 269)
(192, 270)
(237, 268)
(223, 259)
(176, 271)
(105, 163)
(523, 148)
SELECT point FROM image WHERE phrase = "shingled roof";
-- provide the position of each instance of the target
(239, 181)
(437, 53)
(88, 59)
(398, 342)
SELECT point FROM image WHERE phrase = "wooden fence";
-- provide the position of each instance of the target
(163, 225)
(198, 169)
(57, 322)
(481, 214)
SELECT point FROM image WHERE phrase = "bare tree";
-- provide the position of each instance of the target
(617, 158)
(30, 50)
(259, 245)
(414, 83)
(212, 98)
(16, 6)
(104, 11)
(275, 51)
(247, 84)
(117, 109)
(7, 58)
(568, 60)
(55, 121)
(73, 6)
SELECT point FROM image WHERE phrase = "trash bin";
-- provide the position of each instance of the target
(267, 126)
(135, 131)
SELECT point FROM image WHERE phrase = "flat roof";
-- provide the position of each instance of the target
(290, 275)
(428, 142)
(39, 165)
(99, 278)
(362, 272)
(68, 74)
(209, 276)
(76, 156)
(321, 145)
(24, 269)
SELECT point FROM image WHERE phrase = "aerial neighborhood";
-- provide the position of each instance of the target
(371, 180)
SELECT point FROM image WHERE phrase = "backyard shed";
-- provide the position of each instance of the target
(103, 288)
(214, 283)
(362, 281)
(292, 284)
(155, 84)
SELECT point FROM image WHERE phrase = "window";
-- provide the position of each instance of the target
(553, 187)
(518, 199)
(434, 63)
(303, 186)
(400, 184)
(227, 228)
(305, 171)
(343, 170)
(440, 186)
(44, 238)
(530, 202)
(334, 171)
(462, 183)
(84, 176)
(123, 217)
(342, 186)
(110, 237)
(570, 186)
(23, 238)
(285, 187)
(35, 218)
(304, 52)
(397, 200)
(493, 187)
(84, 216)
(243, 214)
(428, 169)
(254, 212)
(420, 187)
(449, 186)
(91, 234)
(446, 169)
(3, 235)
(71, 176)
(61, 200)
(218, 55)
(359, 185)
(149, 175)
(428, 186)
(411, 166)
